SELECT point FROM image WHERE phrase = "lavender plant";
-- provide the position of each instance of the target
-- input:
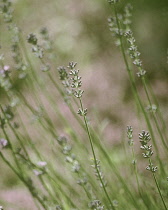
(120, 27)
(47, 137)
(144, 140)
(72, 83)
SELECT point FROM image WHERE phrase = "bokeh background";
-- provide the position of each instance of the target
(79, 31)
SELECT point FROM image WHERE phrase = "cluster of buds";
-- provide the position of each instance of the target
(113, 1)
(6, 10)
(5, 71)
(98, 173)
(112, 22)
(127, 15)
(40, 168)
(145, 137)
(58, 207)
(148, 151)
(75, 164)
(151, 168)
(151, 108)
(8, 115)
(20, 65)
(64, 76)
(96, 205)
(83, 180)
(63, 142)
(45, 67)
(134, 53)
(131, 141)
(32, 39)
(120, 24)
(78, 93)
(82, 112)
(5, 82)
(72, 82)
(47, 43)
(130, 135)
(76, 82)
(70, 157)
(38, 51)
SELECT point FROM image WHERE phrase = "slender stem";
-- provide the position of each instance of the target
(135, 170)
(134, 89)
(145, 88)
(94, 156)
(83, 186)
(157, 185)
(111, 164)
(47, 189)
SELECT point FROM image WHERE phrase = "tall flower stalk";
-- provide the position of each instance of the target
(148, 152)
(120, 27)
(72, 82)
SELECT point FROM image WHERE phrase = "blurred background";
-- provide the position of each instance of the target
(79, 32)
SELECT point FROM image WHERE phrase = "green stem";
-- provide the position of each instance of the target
(94, 156)
(134, 89)
(135, 170)
(157, 185)
(83, 186)
(111, 164)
